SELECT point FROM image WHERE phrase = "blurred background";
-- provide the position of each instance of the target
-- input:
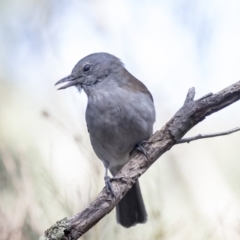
(48, 169)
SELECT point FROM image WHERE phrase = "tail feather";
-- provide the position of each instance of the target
(131, 209)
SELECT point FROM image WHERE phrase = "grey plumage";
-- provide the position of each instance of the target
(120, 114)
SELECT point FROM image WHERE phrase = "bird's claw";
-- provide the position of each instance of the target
(108, 184)
(140, 148)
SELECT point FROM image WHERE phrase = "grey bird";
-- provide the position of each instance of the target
(120, 115)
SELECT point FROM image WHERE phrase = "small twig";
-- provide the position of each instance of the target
(190, 95)
(201, 136)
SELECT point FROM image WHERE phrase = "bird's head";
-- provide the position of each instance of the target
(91, 70)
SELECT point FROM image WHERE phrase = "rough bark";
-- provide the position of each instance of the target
(161, 141)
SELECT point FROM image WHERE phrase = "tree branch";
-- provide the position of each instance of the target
(201, 136)
(161, 141)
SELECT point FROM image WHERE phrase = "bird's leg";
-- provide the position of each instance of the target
(107, 179)
(140, 148)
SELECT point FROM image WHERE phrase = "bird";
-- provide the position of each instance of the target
(120, 115)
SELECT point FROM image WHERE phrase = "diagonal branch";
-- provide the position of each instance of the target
(201, 136)
(161, 141)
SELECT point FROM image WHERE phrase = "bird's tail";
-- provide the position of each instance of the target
(131, 209)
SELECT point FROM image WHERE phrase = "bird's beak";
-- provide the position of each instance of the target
(72, 81)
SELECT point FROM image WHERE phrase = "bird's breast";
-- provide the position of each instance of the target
(117, 122)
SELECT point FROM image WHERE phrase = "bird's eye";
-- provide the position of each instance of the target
(86, 68)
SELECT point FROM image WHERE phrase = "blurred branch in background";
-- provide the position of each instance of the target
(19, 210)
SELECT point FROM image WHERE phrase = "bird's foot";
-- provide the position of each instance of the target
(140, 148)
(108, 184)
